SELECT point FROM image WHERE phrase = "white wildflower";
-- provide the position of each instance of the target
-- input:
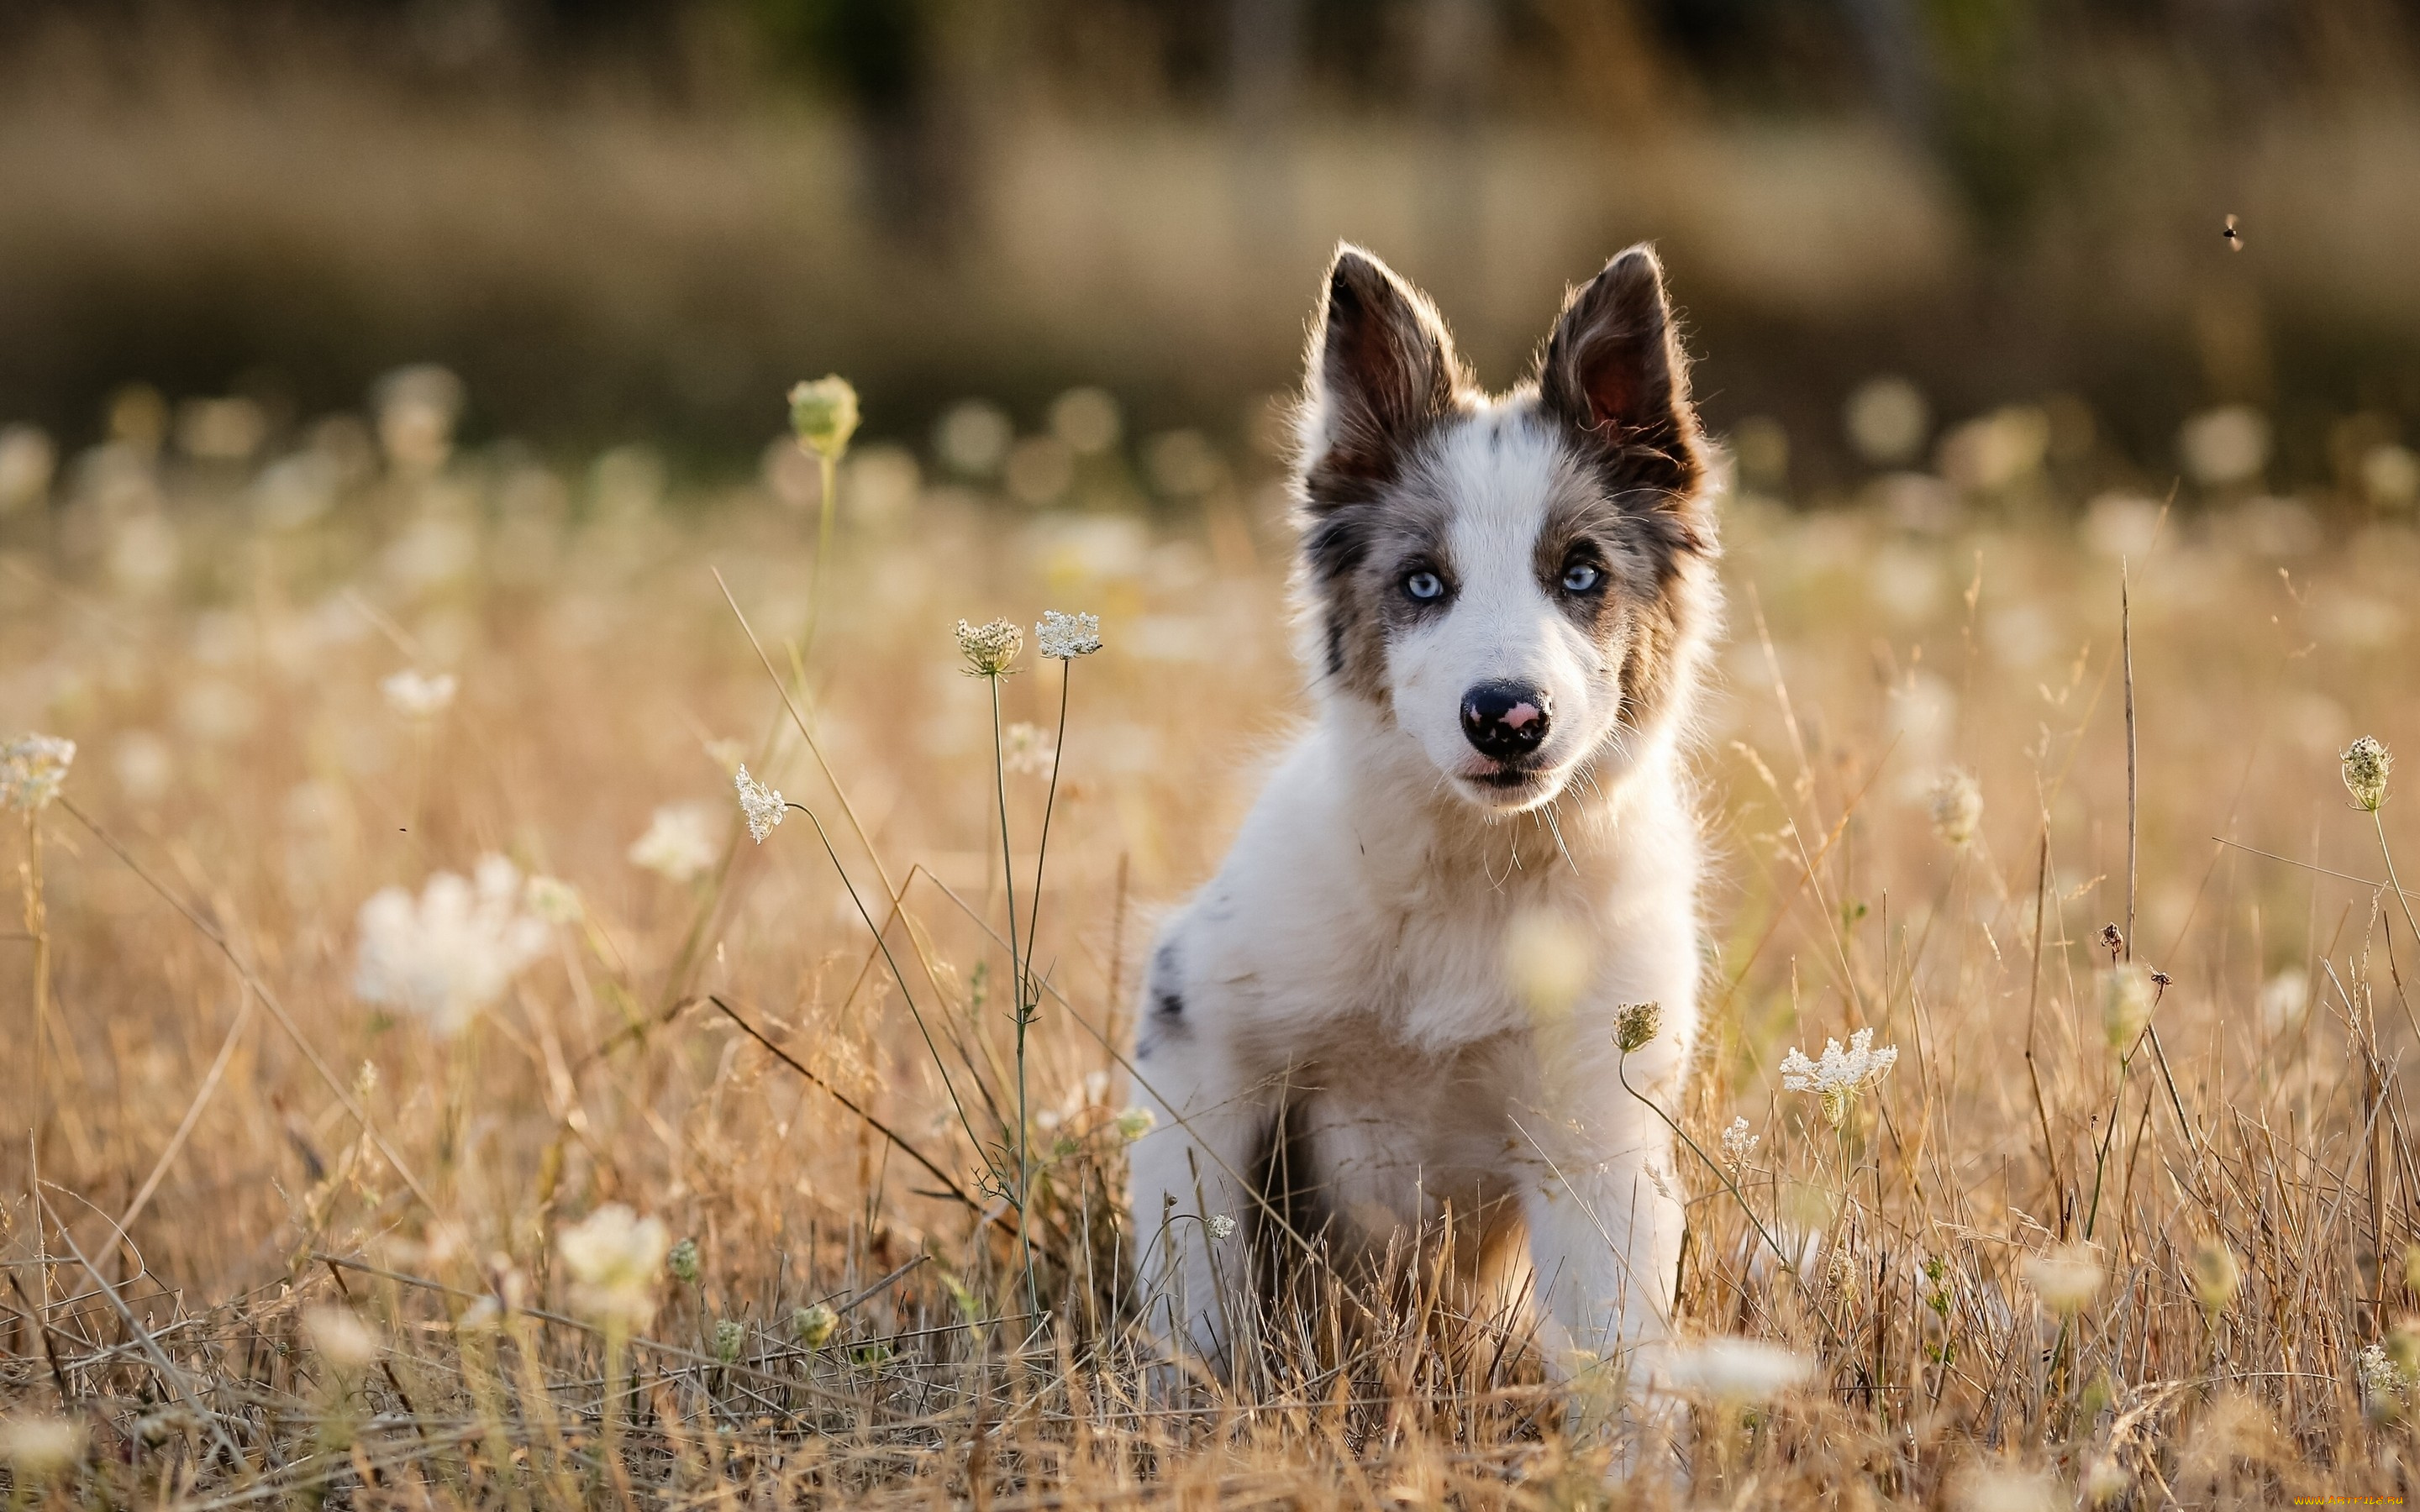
(37, 1445)
(614, 1255)
(1735, 1371)
(1025, 748)
(2006, 1491)
(682, 1261)
(1842, 1075)
(1738, 1145)
(1135, 1122)
(451, 953)
(416, 696)
(553, 900)
(1221, 1225)
(32, 768)
(1065, 637)
(680, 843)
(1957, 808)
(761, 804)
(2066, 1278)
(341, 1338)
(730, 1338)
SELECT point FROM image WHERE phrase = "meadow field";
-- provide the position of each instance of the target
(426, 1094)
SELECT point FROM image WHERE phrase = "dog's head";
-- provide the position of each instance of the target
(1522, 585)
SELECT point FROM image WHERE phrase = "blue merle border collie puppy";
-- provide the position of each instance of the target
(1397, 1000)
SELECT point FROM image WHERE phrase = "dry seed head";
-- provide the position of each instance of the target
(989, 649)
(812, 1325)
(1957, 808)
(2128, 995)
(822, 415)
(2366, 762)
(2066, 1278)
(32, 768)
(2216, 1275)
(1636, 1024)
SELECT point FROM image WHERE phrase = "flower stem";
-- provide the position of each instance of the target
(1621, 1074)
(831, 472)
(1020, 994)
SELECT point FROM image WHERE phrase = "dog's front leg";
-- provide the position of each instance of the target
(1604, 1240)
(1192, 1196)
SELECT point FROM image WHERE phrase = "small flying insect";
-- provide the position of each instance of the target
(2234, 239)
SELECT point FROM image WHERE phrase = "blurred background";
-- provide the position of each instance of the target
(1980, 238)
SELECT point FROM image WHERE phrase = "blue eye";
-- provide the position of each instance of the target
(1425, 586)
(1579, 578)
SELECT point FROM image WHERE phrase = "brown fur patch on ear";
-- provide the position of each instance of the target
(1614, 375)
(1381, 371)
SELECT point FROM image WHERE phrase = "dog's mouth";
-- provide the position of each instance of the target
(1508, 784)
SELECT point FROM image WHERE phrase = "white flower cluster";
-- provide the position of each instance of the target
(760, 805)
(1066, 637)
(1738, 1145)
(1734, 1370)
(1025, 748)
(416, 696)
(450, 952)
(614, 1255)
(1957, 803)
(32, 770)
(1841, 1076)
(680, 843)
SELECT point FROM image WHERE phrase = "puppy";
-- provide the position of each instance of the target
(1397, 998)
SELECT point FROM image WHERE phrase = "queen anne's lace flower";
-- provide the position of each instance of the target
(451, 953)
(2366, 762)
(416, 696)
(813, 1325)
(553, 900)
(614, 1255)
(760, 805)
(1025, 748)
(1841, 1076)
(680, 843)
(32, 770)
(823, 415)
(1221, 1225)
(1738, 1145)
(990, 648)
(1065, 637)
(1957, 808)
(1734, 1370)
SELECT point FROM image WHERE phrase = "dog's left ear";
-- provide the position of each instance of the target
(1613, 373)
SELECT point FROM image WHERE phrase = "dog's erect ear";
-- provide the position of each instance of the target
(1381, 371)
(1613, 370)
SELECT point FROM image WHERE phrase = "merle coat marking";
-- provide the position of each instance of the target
(1506, 605)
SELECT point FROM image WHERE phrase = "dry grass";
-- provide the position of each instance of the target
(199, 889)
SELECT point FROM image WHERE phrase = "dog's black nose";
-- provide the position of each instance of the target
(1506, 720)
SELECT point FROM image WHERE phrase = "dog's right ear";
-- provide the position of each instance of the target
(1381, 371)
